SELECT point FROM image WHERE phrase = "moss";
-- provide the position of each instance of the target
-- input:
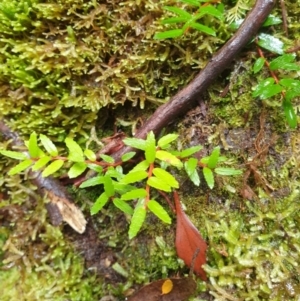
(64, 61)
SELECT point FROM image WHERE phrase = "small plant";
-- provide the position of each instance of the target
(139, 185)
(190, 20)
(288, 87)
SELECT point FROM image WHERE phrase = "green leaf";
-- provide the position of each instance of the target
(90, 154)
(173, 20)
(190, 168)
(41, 163)
(48, 145)
(166, 140)
(128, 156)
(143, 165)
(190, 151)
(213, 158)
(267, 89)
(13, 155)
(285, 62)
(20, 167)
(272, 20)
(169, 158)
(169, 34)
(165, 177)
(291, 84)
(77, 169)
(178, 11)
(92, 182)
(134, 194)
(159, 211)
(123, 206)
(270, 43)
(203, 28)
(290, 114)
(158, 184)
(137, 220)
(122, 188)
(115, 173)
(75, 151)
(100, 202)
(212, 11)
(209, 177)
(150, 148)
(97, 168)
(135, 142)
(107, 159)
(52, 168)
(192, 2)
(259, 63)
(108, 186)
(134, 177)
(224, 171)
(33, 148)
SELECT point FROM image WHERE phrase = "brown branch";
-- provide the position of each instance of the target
(61, 207)
(184, 99)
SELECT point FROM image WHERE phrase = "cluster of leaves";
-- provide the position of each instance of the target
(118, 187)
(284, 64)
(190, 20)
(288, 87)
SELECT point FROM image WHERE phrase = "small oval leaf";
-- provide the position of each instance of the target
(134, 194)
(100, 202)
(159, 211)
(13, 155)
(150, 148)
(165, 177)
(128, 156)
(49, 145)
(20, 167)
(77, 169)
(52, 168)
(224, 171)
(75, 151)
(123, 206)
(134, 177)
(158, 184)
(137, 220)
(168, 158)
(190, 151)
(209, 177)
(90, 154)
(41, 163)
(166, 140)
(92, 182)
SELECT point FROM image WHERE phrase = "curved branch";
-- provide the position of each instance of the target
(182, 101)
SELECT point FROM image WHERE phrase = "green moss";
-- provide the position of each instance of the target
(64, 61)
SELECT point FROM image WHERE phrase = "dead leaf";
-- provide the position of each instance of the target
(189, 241)
(180, 290)
(67, 212)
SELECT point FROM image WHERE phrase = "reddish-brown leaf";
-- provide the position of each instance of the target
(189, 241)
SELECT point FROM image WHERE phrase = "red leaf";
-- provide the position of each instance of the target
(189, 241)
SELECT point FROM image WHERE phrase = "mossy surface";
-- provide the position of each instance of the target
(65, 62)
